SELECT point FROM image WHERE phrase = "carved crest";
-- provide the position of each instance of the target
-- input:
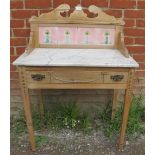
(78, 16)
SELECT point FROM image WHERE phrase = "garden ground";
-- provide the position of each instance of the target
(67, 131)
(67, 142)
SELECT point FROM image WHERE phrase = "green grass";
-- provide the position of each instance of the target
(68, 116)
(18, 125)
(41, 140)
(135, 121)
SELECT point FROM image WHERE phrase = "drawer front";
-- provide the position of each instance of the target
(77, 77)
(38, 76)
(81, 77)
(116, 77)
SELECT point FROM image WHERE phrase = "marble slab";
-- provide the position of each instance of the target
(75, 57)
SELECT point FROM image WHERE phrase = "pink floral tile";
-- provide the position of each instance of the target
(76, 36)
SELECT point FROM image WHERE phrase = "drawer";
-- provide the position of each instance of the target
(81, 77)
(77, 77)
(38, 76)
(116, 77)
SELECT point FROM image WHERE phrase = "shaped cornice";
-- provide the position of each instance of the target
(77, 17)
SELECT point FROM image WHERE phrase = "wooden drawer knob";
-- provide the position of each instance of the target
(117, 77)
(37, 77)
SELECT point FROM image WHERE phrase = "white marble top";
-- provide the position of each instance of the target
(75, 57)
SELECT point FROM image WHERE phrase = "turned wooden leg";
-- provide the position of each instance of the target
(40, 103)
(27, 108)
(127, 103)
(28, 117)
(114, 103)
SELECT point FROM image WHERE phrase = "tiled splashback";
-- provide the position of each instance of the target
(76, 36)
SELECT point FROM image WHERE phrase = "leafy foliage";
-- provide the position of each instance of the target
(68, 116)
(135, 120)
(18, 126)
(65, 116)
